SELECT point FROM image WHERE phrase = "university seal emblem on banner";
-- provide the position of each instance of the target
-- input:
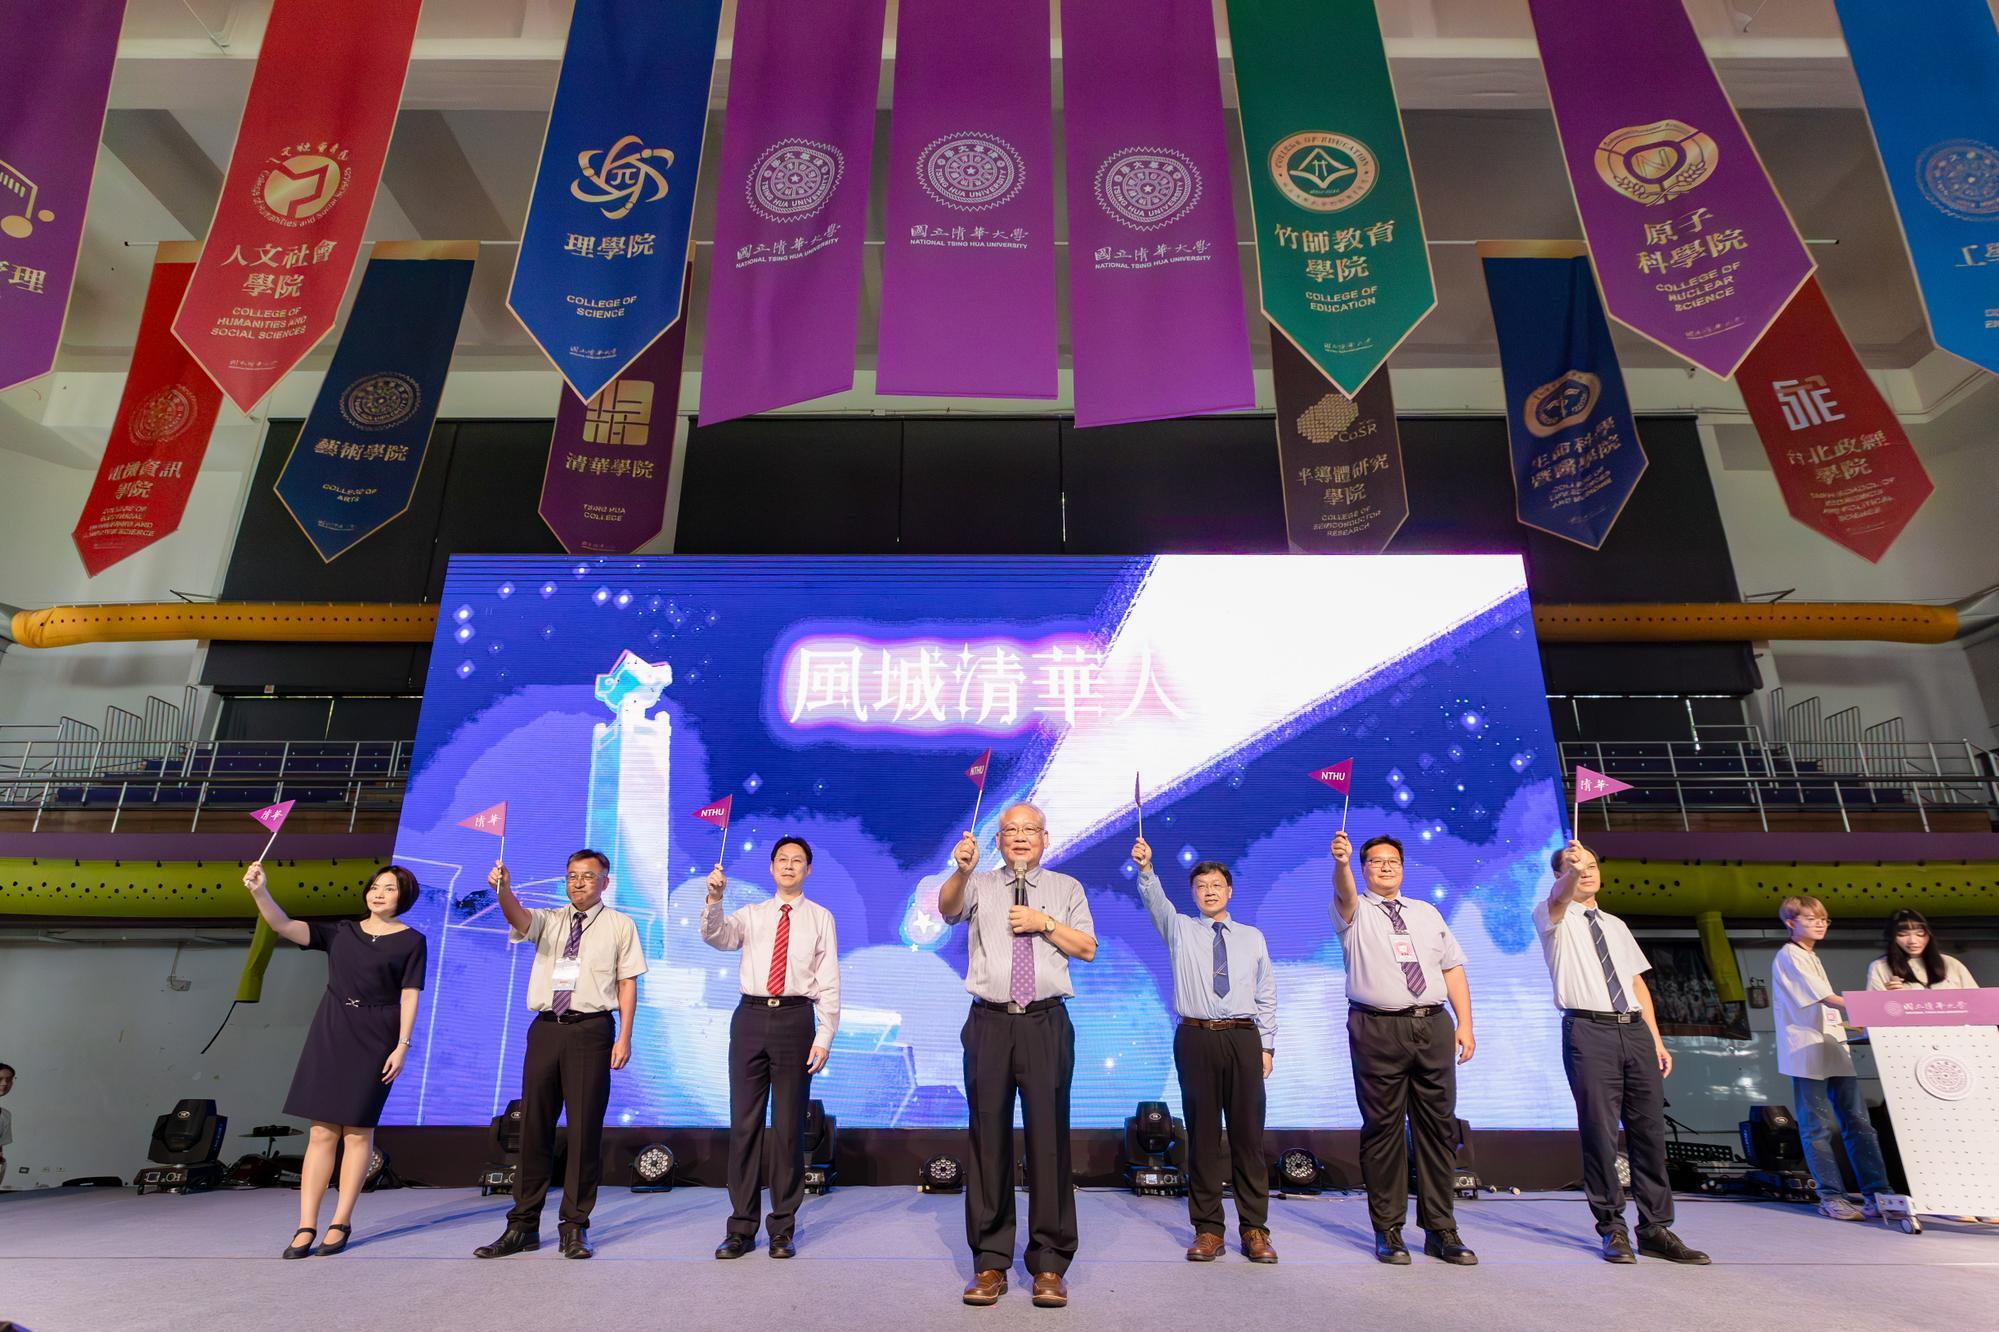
(1322, 171)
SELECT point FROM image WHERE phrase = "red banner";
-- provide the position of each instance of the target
(309, 153)
(157, 442)
(1843, 462)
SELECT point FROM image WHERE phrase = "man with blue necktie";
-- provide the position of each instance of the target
(1226, 995)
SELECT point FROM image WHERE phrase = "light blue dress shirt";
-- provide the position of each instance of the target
(1190, 941)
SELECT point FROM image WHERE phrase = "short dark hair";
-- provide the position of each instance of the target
(1383, 840)
(407, 887)
(789, 840)
(1211, 867)
(603, 861)
(1555, 860)
(6, 1068)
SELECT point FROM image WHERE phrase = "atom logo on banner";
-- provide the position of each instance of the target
(621, 176)
(1148, 188)
(971, 172)
(793, 179)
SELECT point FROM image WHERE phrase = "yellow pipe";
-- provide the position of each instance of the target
(1720, 957)
(1752, 890)
(363, 622)
(250, 985)
(178, 889)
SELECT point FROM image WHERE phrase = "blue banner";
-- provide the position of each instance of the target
(355, 463)
(1930, 78)
(608, 224)
(1575, 449)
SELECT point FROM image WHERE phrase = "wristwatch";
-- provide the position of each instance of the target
(1047, 925)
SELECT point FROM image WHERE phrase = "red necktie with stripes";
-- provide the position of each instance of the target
(780, 950)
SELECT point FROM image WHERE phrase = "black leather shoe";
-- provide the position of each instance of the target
(515, 1240)
(1446, 1245)
(735, 1246)
(572, 1242)
(1663, 1243)
(1388, 1247)
(301, 1250)
(782, 1247)
(1617, 1247)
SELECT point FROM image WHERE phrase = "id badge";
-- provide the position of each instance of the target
(562, 976)
(1405, 949)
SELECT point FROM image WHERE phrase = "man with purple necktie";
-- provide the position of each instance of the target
(1402, 962)
(1026, 923)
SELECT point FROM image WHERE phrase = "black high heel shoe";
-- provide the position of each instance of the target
(301, 1250)
(328, 1249)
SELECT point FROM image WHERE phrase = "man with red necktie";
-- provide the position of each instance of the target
(779, 1037)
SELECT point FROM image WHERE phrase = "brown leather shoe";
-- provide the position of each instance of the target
(1256, 1246)
(1206, 1248)
(986, 1288)
(1050, 1291)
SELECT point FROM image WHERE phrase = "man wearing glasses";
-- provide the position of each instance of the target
(1026, 923)
(586, 958)
(1402, 962)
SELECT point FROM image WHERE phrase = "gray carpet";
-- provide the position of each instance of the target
(84, 1261)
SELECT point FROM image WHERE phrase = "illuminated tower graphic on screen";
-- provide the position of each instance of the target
(629, 768)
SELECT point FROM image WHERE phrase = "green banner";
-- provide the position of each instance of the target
(1345, 274)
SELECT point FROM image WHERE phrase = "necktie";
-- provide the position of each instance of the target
(1221, 964)
(780, 951)
(1617, 1000)
(1412, 972)
(560, 1003)
(1021, 987)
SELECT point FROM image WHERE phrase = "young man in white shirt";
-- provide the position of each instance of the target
(1811, 1051)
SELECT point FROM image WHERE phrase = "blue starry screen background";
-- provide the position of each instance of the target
(606, 699)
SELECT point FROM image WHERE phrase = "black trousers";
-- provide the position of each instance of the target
(1034, 1055)
(1405, 1069)
(767, 1052)
(567, 1066)
(1615, 1077)
(1221, 1076)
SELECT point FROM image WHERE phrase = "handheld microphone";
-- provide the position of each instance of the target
(1019, 868)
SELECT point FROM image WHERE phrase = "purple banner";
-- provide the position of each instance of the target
(1156, 321)
(791, 205)
(604, 491)
(1692, 246)
(968, 265)
(55, 74)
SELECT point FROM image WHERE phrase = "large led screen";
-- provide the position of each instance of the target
(843, 699)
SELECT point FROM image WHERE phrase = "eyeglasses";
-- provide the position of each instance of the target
(1010, 829)
(587, 877)
(1382, 862)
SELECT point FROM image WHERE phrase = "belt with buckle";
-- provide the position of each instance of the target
(775, 1000)
(1219, 1024)
(1010, 1007)
(571, 1017)
(1621, 1019)
(347, 1001)
(1415, 1010)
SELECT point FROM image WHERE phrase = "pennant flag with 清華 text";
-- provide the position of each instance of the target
(599, 277)
(55, 83)
(1341, 458)
(1691, 243)
(1593, 785)
(273, 816)
(355, 463)
(1344, 269)
(288, 227)
(492, 820)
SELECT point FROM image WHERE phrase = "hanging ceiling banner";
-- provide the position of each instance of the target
(1341, 259)
(791, 205)
(160, 435)
(598, 277)
(604, 490)
(1156, 324)
(1575, 449)
(287, 229)
(1843, 462)
(1692, 245)
(1345, 491)
(355, 463)
(1932, 93)
(968, 258)
(55, 77)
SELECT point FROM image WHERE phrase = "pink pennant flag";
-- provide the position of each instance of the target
(1595, 786)
(1339, 776)
(977, 772)
(717, 813)
(273, 816)
(492, 820)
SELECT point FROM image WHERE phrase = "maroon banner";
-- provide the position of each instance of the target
(1345, 492)
(1843, 462)
(604, 492)
(157, 442)
(309, 153)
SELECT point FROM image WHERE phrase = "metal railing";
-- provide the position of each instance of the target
(119, 774)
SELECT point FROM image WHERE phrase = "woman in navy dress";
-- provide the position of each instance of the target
(355, 1049)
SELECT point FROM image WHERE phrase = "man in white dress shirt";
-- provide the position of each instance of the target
(780, 1036)
(1616, 1062)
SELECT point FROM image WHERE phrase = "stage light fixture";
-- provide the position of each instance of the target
(1297, 1171)
(504, 1139)
(185, 1150)
(1155, 1151)
(941, 1174)
(822, 1138)
(652, 1169)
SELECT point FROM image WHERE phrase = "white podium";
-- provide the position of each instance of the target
(1937, 1052)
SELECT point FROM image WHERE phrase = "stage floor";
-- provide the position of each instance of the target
(89, 1261)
